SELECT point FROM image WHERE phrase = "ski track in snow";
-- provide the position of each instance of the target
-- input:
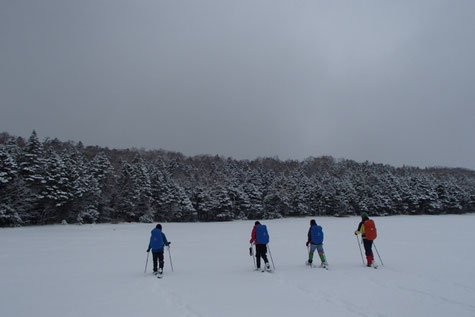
(355, 309)
(470, 308)
(423, 283)
(173, 300)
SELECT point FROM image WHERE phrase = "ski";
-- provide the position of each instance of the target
(374, 266)
(322, 266)
(268, 268)
(263, 270)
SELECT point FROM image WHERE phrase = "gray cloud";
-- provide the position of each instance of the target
(384, 81)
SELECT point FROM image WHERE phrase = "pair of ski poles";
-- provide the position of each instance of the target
(361, 252)
(251, 253)
(169, 256)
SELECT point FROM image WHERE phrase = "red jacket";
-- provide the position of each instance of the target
(254, 235)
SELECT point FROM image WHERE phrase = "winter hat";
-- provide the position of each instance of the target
(159, 226)
(313, 222)
(364, 216)
(257, 223)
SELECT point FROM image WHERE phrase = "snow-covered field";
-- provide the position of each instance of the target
(98, 270)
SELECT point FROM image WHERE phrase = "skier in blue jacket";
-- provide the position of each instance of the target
(157, 241)
(315, 242)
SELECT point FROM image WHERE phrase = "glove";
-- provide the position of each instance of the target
(356, 233)
(307, 243)
(148, 250)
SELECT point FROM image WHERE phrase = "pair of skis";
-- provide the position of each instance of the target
(322, 266)
(265, 269)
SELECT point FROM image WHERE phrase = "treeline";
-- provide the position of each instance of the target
(51, 181)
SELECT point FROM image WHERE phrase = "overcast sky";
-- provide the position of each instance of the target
(386, 81)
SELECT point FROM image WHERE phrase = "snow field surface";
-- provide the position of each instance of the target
(98, 270)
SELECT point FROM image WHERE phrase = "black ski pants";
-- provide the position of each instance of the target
(368, 244)
(157, 257)
(261, 252)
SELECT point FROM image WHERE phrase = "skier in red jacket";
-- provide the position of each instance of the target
(367, 241)
(261, 246)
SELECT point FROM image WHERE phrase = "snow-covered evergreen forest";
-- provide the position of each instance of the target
(50, 181)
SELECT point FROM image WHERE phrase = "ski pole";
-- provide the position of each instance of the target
(359, 246)
(146, 262)
(253, 258)
(308, 256)
(170, 257)
(270, 253)
(378, 253)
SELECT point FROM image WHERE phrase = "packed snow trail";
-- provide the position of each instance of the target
(98, 270)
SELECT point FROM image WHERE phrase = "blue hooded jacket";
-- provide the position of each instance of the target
(157, 240)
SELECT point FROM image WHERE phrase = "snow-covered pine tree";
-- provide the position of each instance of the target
(142, 197)
(56, 190)
(239, 199)
(32, 173)
(125, 206)
(8, 190)
(224, 205)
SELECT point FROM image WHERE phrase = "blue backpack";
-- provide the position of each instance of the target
(262, 236)
(317, 234)
(156, 240)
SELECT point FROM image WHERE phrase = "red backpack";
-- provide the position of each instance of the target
(370, 230)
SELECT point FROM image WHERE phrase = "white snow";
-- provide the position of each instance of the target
(98, 270)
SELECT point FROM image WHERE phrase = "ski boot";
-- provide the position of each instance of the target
(268, 269)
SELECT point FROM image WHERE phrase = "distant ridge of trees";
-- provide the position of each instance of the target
(51, 181)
